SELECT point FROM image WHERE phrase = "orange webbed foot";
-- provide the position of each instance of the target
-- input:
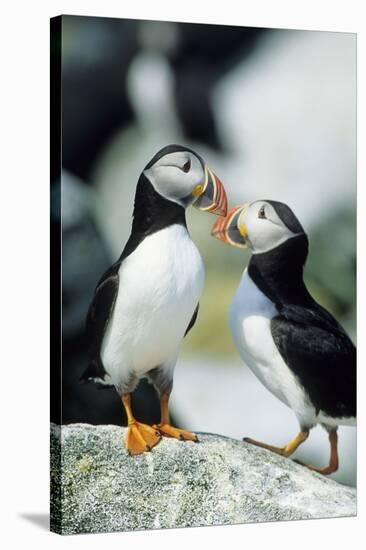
(141, 438)
(325, 471)
(170, 431)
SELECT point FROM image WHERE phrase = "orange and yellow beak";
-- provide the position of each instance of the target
(232, 229)
(210, 196)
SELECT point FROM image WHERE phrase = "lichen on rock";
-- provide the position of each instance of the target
(97, 487)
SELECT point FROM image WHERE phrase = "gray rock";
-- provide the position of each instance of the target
(179, 484)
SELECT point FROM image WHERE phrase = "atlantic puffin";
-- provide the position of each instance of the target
(148, 300)
(296, 348)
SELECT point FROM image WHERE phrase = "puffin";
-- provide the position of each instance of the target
(147, 301)
(294, 346)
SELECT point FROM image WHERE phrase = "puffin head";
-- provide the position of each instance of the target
(261, 225)
(180, 175)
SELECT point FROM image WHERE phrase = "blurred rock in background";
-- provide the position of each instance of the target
(96, 53)
(273, 112)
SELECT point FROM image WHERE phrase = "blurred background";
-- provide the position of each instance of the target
(274, 114)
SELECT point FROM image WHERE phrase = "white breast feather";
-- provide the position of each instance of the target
(160, 285)
(249, 319)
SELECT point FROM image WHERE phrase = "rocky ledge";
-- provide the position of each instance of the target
(97, 487)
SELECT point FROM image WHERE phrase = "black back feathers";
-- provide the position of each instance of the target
(321, 355)
(100, 311)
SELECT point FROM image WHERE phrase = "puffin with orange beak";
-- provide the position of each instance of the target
(147, 301)
(296, 348)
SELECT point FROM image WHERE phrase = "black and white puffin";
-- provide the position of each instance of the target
(293, 345)
(147, 301)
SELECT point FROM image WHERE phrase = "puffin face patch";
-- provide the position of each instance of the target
(265, 227)
(175, 175)
(181, 176)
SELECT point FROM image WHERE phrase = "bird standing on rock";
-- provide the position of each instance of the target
(147, 301)
(293, 345)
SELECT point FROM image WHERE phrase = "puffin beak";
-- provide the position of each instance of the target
(211, 196)
(231, 229)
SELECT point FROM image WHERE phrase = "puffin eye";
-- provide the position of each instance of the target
(187, 166)
(262, 213)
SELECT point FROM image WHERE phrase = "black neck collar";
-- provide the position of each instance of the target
(278, 273)
(151, 213)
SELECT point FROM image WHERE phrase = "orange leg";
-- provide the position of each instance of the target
(333, 462)
(287, 450)
(165, 427)
(140, 437)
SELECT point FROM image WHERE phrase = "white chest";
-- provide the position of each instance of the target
(160, 285)
(250, 323)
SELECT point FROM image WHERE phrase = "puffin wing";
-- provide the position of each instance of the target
(99, 313)
(193, 320)
(321, 355)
